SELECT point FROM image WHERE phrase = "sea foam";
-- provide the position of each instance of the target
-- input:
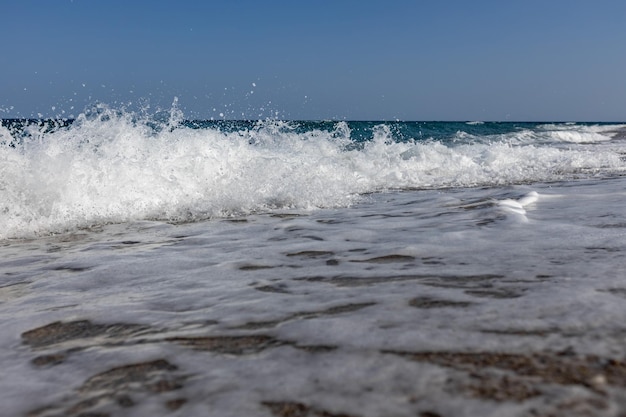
(113, 167)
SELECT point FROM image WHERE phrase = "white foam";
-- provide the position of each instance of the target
(512, 206)
(112, 168)
(5, 135)
(518, 207)
(574, 133)
(529, 198)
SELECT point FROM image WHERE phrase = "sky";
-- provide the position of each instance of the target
(527, 60)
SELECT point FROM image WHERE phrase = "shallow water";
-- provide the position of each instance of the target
(450, 302)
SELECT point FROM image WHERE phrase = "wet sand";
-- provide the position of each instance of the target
(555, 383)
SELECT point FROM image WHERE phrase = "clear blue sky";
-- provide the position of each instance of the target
(357, 59)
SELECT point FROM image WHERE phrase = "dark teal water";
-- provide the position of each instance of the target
(357, 131)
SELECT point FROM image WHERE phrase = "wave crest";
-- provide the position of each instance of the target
(111, 166)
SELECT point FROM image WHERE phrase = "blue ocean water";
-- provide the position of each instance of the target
(153, 265)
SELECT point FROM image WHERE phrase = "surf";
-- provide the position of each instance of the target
(112, 166)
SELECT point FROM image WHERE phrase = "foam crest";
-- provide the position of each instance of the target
(110, 167)
(574, 133)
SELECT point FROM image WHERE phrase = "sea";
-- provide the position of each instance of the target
(155, 265)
